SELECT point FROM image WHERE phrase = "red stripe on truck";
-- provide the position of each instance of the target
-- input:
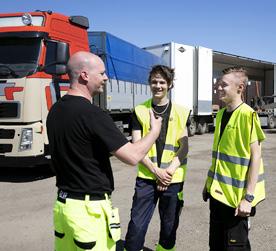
(10, 90)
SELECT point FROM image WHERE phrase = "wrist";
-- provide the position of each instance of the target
(153, 169)
(249, 197)
(171, 170)
(155, 132)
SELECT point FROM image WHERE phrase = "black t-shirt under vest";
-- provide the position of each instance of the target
(161, 140)
(81, 137)
(225, 119)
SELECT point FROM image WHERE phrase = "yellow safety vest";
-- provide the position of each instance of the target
(231, 154)
(176, 126)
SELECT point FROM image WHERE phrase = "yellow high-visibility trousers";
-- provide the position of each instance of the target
(86, 225)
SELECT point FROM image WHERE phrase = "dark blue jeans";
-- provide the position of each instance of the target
(143, 205)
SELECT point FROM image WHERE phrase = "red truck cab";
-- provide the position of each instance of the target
(34, 49)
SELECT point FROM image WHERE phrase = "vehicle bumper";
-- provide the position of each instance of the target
(23, 161)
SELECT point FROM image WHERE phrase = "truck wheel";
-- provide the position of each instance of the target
(192, 128)
(207, 128)
(270, 122)
(201, 128)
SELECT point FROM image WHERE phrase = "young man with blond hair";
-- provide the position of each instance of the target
(235, 182)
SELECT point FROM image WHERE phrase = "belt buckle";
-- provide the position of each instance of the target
(62, 194)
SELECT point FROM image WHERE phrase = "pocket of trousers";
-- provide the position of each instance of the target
(58, 219)
(82, 220)
(113, 221)
(238, 233)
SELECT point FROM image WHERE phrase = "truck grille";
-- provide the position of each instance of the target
(7, 133)
(8, 110)
(5, 148)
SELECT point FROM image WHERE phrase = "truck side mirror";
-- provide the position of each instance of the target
(57, 56)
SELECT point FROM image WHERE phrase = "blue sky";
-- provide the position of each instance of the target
(242, 27)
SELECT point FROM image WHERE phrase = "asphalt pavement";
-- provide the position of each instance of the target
(27, 197)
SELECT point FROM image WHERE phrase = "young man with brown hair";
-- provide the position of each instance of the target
(162, 172)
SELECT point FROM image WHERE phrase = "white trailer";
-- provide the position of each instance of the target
(261, 88)
(193, 81)
(196, 72)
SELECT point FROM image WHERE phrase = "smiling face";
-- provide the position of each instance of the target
(87, 74)
(230, 88)
(92, 74)
(96, 77)
(159, 87)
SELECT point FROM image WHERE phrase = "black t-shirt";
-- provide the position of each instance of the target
(224, 120)
(81, 137)
(161, 140)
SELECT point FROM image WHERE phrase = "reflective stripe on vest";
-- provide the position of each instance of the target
(231, 154)
(165, 165)
(231, 159)
(176, 126)
(232, 181)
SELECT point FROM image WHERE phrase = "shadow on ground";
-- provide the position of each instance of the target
(270, 131)
(17, 175)
(120, 246)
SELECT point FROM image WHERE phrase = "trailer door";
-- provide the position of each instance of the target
(204, 80)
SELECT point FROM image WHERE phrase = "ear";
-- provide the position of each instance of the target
(84, 75)
(241, 87)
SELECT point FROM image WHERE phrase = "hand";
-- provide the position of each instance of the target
(163, 176)
(170, 171)
(161, 187)
(243, 209)
(155, 122)
(205, 196)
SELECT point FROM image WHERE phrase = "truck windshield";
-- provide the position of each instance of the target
(18, 56)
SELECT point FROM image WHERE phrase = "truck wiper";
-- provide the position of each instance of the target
(5, 70)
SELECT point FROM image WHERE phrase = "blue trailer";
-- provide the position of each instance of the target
(127, 67)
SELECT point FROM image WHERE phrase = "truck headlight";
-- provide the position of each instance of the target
(26, 140)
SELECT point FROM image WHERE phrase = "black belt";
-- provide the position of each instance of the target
(63, 195)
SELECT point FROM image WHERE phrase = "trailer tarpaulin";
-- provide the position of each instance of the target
(123, 60)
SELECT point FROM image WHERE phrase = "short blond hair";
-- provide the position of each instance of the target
(239, 72)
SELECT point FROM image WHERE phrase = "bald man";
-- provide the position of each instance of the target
(81, 138)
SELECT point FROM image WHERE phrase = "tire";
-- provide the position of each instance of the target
(270, 122)
(192, 128)
(201, 128)
(207, 128)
